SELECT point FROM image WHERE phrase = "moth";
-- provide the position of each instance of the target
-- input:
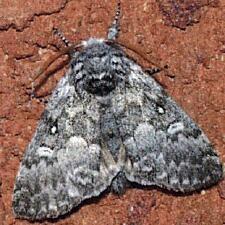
(108, 124)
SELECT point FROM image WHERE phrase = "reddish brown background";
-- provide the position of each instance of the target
(189, 38)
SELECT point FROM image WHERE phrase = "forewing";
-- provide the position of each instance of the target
(63, 165)
(164, 146)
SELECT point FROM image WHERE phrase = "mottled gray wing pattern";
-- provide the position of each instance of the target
(164, 146)
(64, 164)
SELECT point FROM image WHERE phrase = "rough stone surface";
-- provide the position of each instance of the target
(180, 14)
(195, 59)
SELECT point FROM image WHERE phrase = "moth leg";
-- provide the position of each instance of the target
(35, 88)
(61, 36)
(152, 71)
(113, 31)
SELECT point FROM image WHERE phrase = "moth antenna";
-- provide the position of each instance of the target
(66, 51)
(134, 49)
(113, 31)
(58, 33)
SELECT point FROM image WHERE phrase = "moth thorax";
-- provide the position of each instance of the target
(99, 68)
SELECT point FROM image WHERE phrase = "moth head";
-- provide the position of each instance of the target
(95, 49)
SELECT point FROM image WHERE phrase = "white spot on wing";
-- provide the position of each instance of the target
(160, 110)
(45, 152)
(174, 180)
(175, 128)
(53, 130)
(75, 150)
(186, 181)
(73, 192)
(161, 176)
(77, 144)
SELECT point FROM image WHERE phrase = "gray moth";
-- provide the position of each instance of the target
(108, 125)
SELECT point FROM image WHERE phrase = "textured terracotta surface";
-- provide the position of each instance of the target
(194, 51)
(181, 13)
